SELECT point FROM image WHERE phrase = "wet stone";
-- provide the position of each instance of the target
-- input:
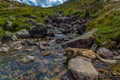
(27, 59)
(81, 68)
(48, 52)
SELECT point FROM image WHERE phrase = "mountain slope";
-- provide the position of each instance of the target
(103, 14)
(25, 12)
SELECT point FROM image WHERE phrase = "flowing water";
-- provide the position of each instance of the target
(49, 67)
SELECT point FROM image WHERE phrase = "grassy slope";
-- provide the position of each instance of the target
(108, 23)
(21, 12)
(24, 12)
(81, 7)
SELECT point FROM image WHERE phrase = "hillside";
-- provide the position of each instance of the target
(19, 12)
(108, 23)
(23, 12)
(103, 15)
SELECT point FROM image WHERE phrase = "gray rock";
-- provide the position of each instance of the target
(81, 68)
(94, 47)
(82, 41)
(8, 36)
(115, 53)
(50, 32)
(5, 48)
(8, 25)
(30, 42)
(81, 29)
(44, 46)
(106, 53)
(23, 34)
(16, 45)
(38, 31)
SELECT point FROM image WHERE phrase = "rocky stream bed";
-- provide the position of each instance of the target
(38, 54)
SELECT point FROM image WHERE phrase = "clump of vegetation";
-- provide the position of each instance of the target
(19, 25)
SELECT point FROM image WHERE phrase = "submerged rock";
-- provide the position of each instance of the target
(81, 68)
(27, 59)
(48, 52)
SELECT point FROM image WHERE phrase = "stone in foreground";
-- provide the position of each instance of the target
(23, 34)
(81, 68)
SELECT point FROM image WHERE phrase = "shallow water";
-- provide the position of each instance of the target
(50, 67)
(43, 68)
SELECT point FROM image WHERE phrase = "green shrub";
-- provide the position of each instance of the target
(17, 25)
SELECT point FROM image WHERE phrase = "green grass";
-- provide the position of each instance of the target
(108, 24)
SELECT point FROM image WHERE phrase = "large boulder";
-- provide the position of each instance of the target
(83, 41)
(8, 36)
(81, 29)
(82, 68)
(23, 34)
(38, 31)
